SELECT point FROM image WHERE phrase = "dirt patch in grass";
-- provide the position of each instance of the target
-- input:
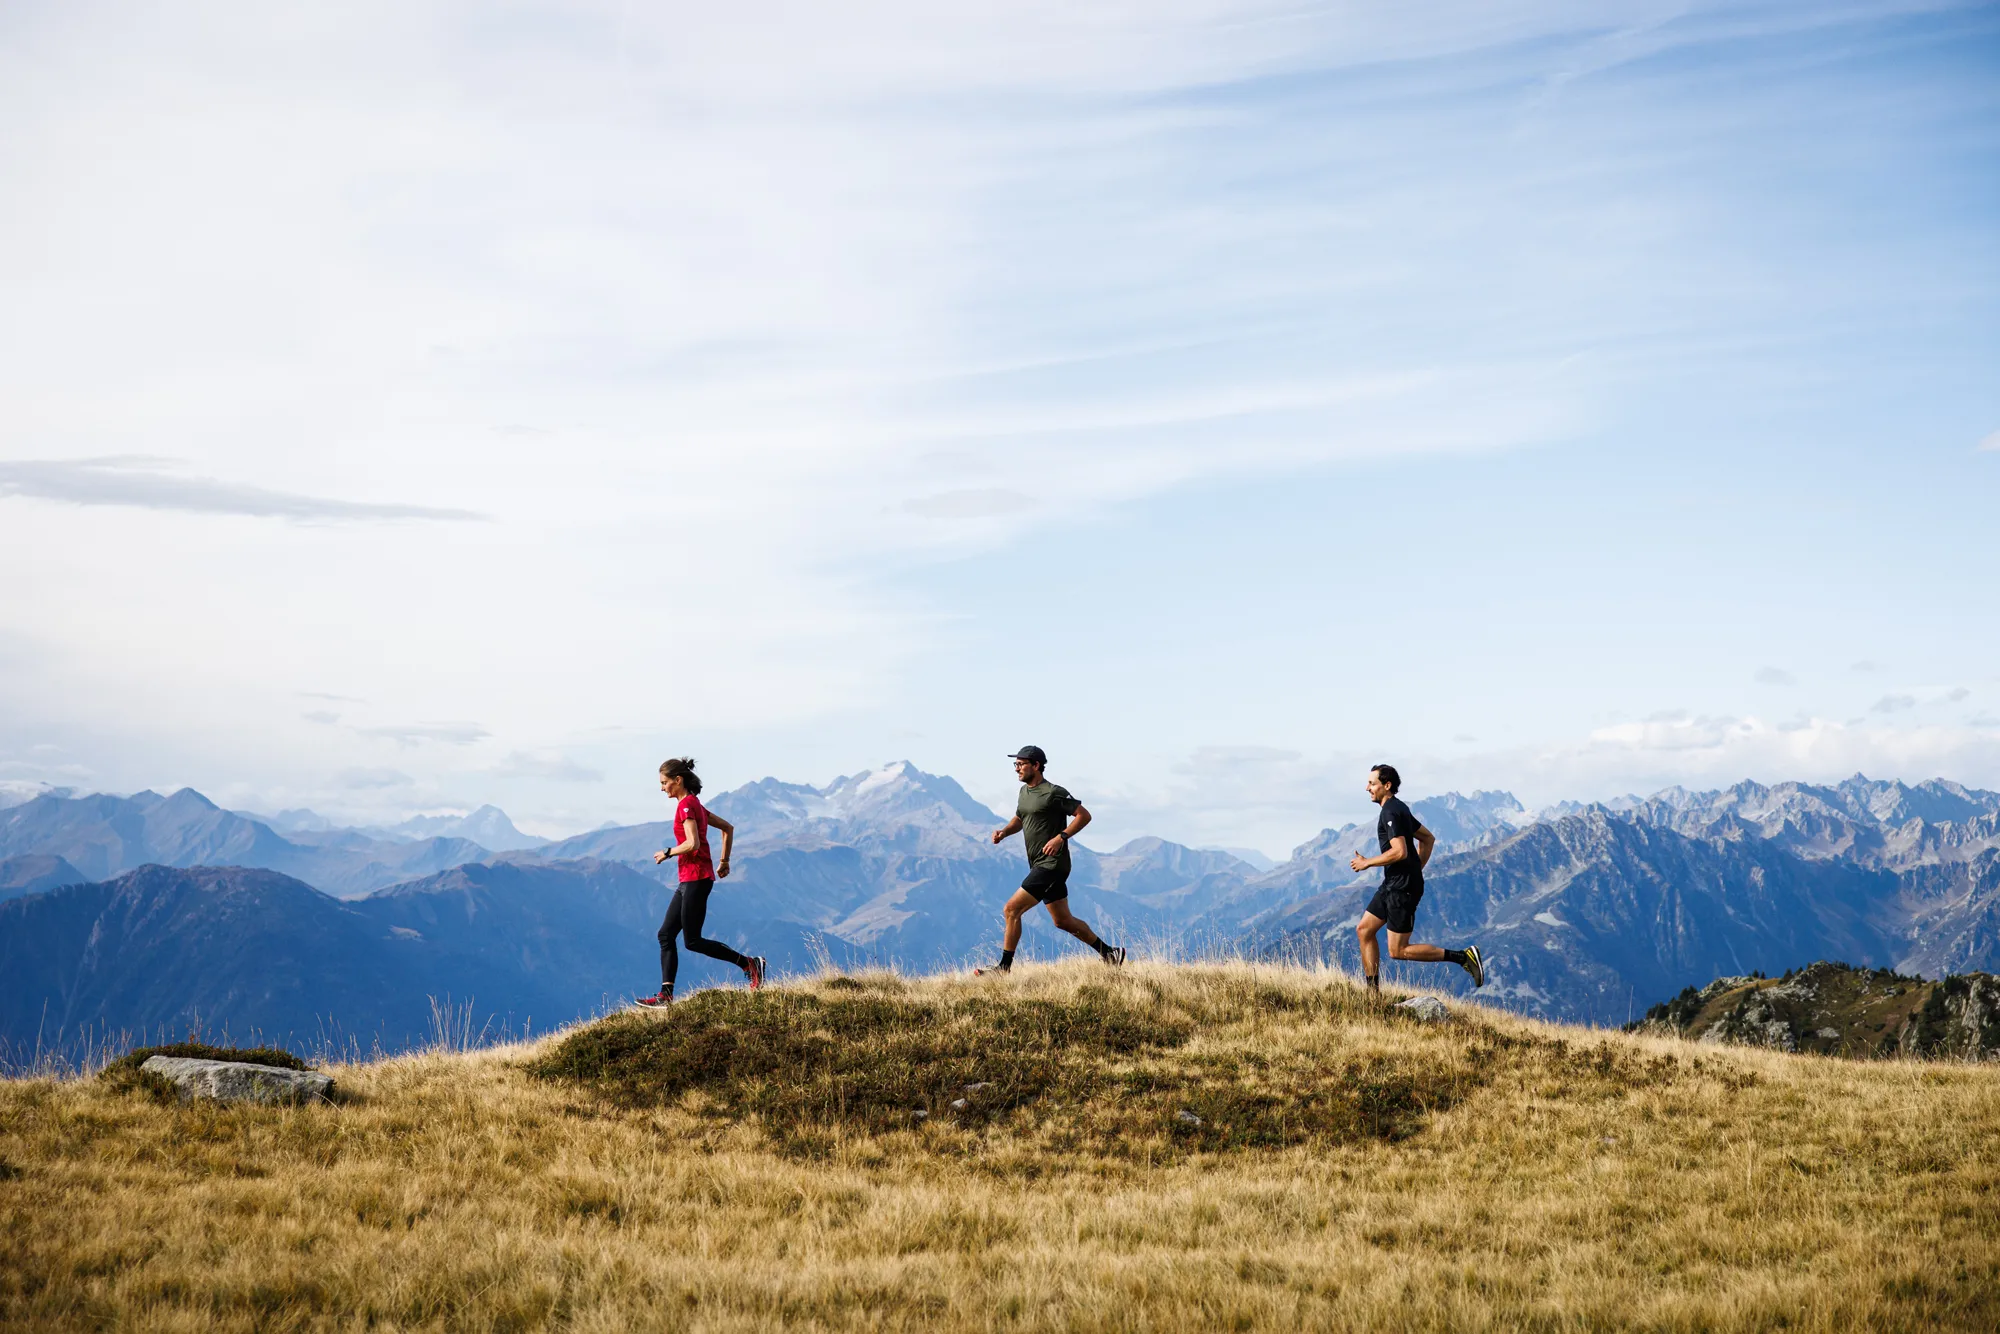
(1121, 1070)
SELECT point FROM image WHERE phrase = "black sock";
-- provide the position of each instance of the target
(1455, 956)
(1374, 982)
(1103, 950)
(1006, 960)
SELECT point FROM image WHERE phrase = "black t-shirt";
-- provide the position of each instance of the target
(1396, 821)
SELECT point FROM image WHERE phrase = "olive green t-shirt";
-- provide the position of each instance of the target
(1044, 811)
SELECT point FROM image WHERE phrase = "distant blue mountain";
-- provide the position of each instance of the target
(34, 873)
(102, 836)
(488, 827)
(160, 951)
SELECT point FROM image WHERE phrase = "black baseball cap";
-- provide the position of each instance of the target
(1032, 754)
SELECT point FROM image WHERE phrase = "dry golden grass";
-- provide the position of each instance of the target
(1513, 1176)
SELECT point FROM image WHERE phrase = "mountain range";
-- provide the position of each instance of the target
(1586, 911)
(102, 836)
(261, 956)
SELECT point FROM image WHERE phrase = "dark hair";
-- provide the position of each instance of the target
(682, 767)
(1386, 772)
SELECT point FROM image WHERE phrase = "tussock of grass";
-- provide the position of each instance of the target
(1104, 1068)
(647, 1173)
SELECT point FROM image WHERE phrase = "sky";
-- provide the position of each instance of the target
(407, 407)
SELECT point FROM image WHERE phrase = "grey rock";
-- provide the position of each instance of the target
(977, 1088)
(959, 1104)
(1753, 1023)
(1427, 1008)
(1185, 1115)
(239, 1081)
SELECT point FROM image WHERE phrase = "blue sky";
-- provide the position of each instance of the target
(404, 409)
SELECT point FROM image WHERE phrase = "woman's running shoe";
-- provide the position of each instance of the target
(754, 969)
(1114, 956)
(656, 1002)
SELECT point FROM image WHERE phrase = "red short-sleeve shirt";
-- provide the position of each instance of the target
(695, 865)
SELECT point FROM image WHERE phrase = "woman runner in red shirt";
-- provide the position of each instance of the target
(698, 876)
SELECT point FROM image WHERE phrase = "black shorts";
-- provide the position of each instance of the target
(1396, 905)
(1047, 884)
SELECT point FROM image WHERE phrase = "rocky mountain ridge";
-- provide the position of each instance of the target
(1837, 1010)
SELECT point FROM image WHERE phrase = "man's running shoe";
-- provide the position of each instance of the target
(1476, 966)
(755, 968)
(995, 971)
(656, 1002)
(1115, 955)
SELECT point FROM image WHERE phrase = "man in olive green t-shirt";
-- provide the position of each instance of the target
(1051, 817)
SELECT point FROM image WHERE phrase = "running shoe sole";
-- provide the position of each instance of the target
(1476, 966)
(1115, 955)
(654, 1002)
(755, 968)
(989, 972)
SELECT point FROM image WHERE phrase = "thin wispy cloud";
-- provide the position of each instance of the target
(555, 768)
(139, 481)
(418, 734)
(372, 779)
(970, 503)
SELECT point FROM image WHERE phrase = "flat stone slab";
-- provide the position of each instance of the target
(1427, 1008)
(239, 1081)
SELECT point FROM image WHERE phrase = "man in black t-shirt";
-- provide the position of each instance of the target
(1051, 817)
(1406, 846)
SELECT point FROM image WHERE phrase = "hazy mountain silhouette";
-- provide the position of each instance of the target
(34, 873)
(161, 949)
(488, 826)
(103, 836)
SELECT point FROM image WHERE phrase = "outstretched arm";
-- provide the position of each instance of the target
(1008, 830)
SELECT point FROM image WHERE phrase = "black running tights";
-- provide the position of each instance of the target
(686, 913)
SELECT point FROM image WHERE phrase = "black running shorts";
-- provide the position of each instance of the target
(1047, 884)
(1396, 905)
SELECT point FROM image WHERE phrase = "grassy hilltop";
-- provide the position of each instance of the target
(1162, 1148)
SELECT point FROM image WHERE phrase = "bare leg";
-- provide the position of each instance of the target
(1371, 948)
(1076, 926)
(1017, 908)
(1401, 948)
